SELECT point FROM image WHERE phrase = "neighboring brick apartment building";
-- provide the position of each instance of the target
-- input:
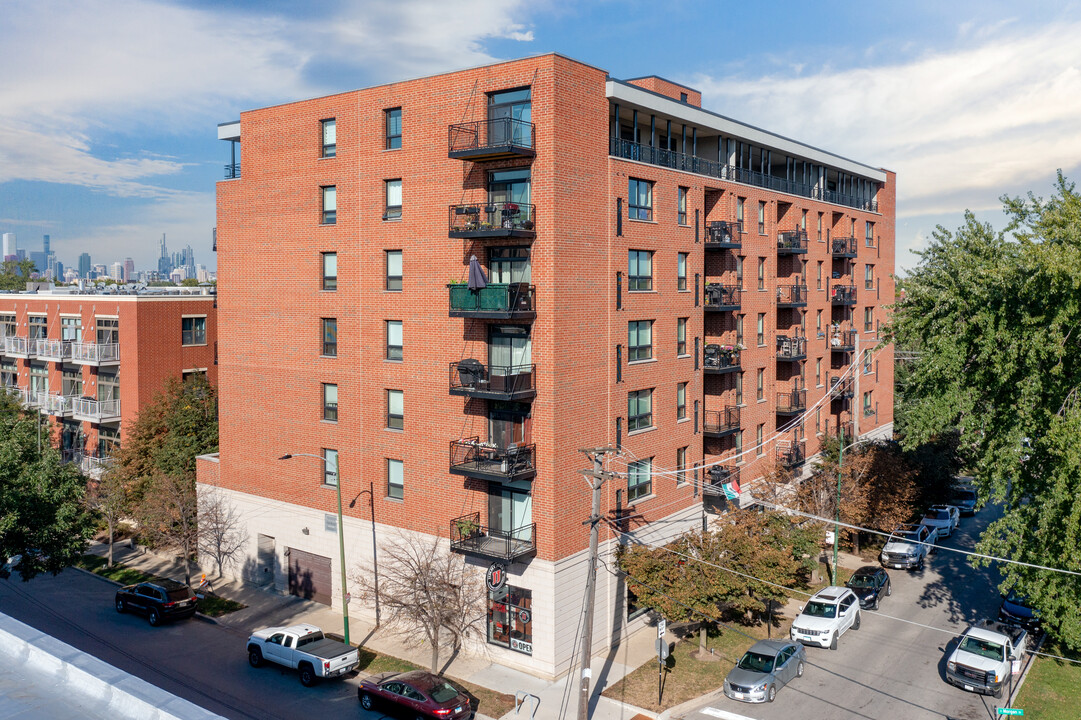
(631, 242)
(90, 359)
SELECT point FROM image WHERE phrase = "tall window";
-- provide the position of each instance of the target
(737, 445)
(739, 211)
(330, 138)
(394, 200)
(739, 271)
(639, 479)
(760, 384)
(869, 277)
(761, 273)
(681, 213)
(38, 327)
(868, 408)
(193, 331)
(867, 367)
(330, 467)
(868, 319)
(681, 401)
(330, 271)
(394, 270)
(640, 199)
(639, 270)
(71, 329)
(681, 465)
(760, 449)
(394, 339)
(395, 479)
(639, 340)
(818, 372)
(639, 410)
(818, 323)
(681, 336)
(761, 217)
(761, 329)
(394, 128)
(330, 204)
(819, 275)
(739, 388)
(395, 409)
(681, 271)
(869, 231)
(819, 227)
(330, 402)
(330, 337)
(739, 329)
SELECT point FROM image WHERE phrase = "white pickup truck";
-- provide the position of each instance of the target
(304, 648)
(907, 547)
(986, 656)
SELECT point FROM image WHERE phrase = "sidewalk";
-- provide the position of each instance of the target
(266, 607)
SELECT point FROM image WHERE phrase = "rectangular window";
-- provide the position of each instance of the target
(71, 329)
(819, 227)
(639, 270)
(108, 330)
(818, 323)
(330, 271)
(330, 402)
(760, 384)
(867, 362)
(330, 204)
(819, 275)
(639, 340)
(803, 221)
(193, 331)
(818, 419)
(395, 409)
(739, 272)
(681, 213)
(760, 448)
(330, 138)
(868, 409)
(639, 410)
(681, 336)
(739, 211)
(761, 273)
(394, 339)
(818, 372)
(681, 271)
(394, 128)
(395, 479)
(739, 329)
(681, 401)
(330, 337)
(639, 479)
(330, 467)
(394, 270)
(739, 388)
(681, 465)
(869, 230)
(640, 199)
(737, 445)
(761, 329)
(71, 385)
(868, 277)
(868, 319)
(510, 618)
(761, 217)
(394, 200)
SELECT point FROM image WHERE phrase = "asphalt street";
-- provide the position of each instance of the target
(893, 667)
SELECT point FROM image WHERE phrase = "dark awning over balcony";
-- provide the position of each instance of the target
(498, 301)
(791, 402)
(793, 242)
(473, 458)
(719, 298)
(472, 378)
(720, 359)
(493, 220)
(492, 139)
(791, 348)
(724, 234)
(469, 537)
(843, 247)
(791, 296)
(719, 423)
(843, 295)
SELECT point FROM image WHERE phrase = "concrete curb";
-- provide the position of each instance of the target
(1024, 673)
(678, 711)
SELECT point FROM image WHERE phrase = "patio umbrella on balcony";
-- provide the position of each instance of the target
(477, 279)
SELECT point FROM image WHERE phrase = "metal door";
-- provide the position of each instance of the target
(265, 560)
(309, 576)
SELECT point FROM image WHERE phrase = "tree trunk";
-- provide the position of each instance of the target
(435, 651)
(856, 541)
(703, 634)
(109, 559)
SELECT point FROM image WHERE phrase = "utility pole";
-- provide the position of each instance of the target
(595, 478)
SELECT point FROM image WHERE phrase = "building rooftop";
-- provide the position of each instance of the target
(129, 289)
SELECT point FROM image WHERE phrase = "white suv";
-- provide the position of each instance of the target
(942, 517)
(826, 617)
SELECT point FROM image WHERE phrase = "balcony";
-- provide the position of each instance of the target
(790, 454)
(89, 463)
(790, 349)
(722, 298)
(492, 139)
(721, 423)
(791, 402)
(843, 247)
(58, 350)
(96, 411)
(469, 537)
(842, 339)
(843, 295)
(724, 235)
(232, 171)
(493, 220)
(99, 354)
(18, 394)
(55, 405)
(841, 388)
(792, 243)
(720, 359)
(472, 378)
(16, 346)
(486, 461)
(869, 411)
(498, 301)
(791, 296)
(719, 475)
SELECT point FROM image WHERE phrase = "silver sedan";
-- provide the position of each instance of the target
(764, 669)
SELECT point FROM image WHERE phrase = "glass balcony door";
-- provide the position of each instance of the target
(509, 116)
(510, 511)
(509, 265)
(510, 353)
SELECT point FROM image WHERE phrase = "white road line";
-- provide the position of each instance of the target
(723, 714)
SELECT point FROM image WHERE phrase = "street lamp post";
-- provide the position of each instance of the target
(341, 540)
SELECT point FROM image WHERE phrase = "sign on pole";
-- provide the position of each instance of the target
(662, 628)
(1010, 711)
(829, 537)
(662, 649)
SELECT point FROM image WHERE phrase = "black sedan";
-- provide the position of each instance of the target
(870, 583)
(159, 600)
(417, 694)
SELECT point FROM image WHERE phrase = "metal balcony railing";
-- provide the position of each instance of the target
(791, 348)
(790, 454)
(841, 387)
(472, 378)
(842, 339)
(720, 358)
(90, 464)
(58, 350)
(487, 461)
(16, 345)
(791, 295)
(722, 234)
(793, 242)
(719, 475)
(843, 247)
(843, 295)
(18, 394)
(95, 353)
(719, 423)
(791, 401)
(469, 537)
(232, 171)
(495, 219)
(97, 411)
(491, 139)
(497, 301)
(722, 297)
(56, 405)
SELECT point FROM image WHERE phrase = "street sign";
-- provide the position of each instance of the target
(662, 649)
(829, 537)
(662, 628)
(1010, 711)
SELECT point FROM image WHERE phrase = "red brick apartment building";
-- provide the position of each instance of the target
(90, 360)
(659, 277)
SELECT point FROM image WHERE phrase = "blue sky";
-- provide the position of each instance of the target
(108, 109)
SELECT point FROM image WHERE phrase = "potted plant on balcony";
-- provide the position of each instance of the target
(467, 527)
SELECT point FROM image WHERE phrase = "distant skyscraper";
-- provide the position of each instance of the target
(117, 272)
(165, 263)
(40, 260)
(84, 265)
(129, 270)
(9, 246)
(45, 244)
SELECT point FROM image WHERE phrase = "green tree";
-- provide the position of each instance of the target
(996, 320)
(189, 282)
(43, 516)
(14, 274)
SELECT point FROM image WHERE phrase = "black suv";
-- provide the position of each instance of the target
(161, 600)
(870, 583)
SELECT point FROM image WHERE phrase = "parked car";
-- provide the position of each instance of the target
(942, 517)
(159, 600)
(986, 656)
(827, 616)
(964, 499)
(870, 584)
(420, 694)
(1016, 611)
(304, 648)
(768, 666)
(907, 547)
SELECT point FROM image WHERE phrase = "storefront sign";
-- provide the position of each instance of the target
(524, 617)
(496, 577)
(521, 646)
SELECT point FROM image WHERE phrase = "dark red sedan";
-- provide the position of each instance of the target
(418, 694)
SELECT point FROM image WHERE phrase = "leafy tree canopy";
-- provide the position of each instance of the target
(14, 274)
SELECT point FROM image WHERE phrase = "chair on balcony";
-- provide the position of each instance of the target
(712, 356)
(471, 374)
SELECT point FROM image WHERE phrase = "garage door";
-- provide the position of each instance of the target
(309, 576)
